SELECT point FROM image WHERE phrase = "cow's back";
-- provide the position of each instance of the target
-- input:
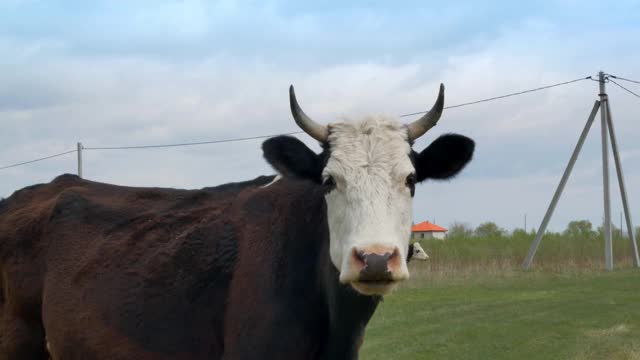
(121, 270)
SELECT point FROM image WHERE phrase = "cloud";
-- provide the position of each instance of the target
(192, 71)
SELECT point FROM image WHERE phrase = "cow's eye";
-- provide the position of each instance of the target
(329, 183)
(411, 183)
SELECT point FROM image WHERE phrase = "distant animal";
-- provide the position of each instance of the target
(287, 267)
(417, 252)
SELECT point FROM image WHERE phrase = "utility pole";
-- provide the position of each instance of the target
(608, 246)
(560, 188)
(607, 132)
(623, 190)
(79, 160)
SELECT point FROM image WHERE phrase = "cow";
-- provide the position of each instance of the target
(291, 266)
(416, 252)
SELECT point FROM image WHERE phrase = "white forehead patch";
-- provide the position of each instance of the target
(375, 146)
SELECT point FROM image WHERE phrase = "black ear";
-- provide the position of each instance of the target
(410, 252)
(291, 157)
(444, 158)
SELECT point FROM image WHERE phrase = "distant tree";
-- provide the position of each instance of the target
(489, 230)
(580, 229)
(615, 232)
(519, 234)
(460, 230)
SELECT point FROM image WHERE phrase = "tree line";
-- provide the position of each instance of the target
(576, 229)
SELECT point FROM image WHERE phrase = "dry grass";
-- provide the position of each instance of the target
(503, 255)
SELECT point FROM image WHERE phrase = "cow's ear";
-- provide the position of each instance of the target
(291, 157)
(410, 252)
(444, 158)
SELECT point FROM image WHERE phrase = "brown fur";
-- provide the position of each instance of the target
(92, 263)
(111, 272)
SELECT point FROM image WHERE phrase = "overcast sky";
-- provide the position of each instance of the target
(111, 73)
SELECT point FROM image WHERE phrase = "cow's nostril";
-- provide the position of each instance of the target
(359, 257)
(376, 267)
(375, 263)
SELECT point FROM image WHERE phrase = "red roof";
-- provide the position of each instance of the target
(427, 226)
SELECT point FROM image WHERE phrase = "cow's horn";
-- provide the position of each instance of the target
(429, 120)
(309, 126)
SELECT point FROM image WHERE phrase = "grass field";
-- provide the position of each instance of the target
(470, 300)
(516, 315)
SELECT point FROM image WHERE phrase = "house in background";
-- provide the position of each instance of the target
(427, 230)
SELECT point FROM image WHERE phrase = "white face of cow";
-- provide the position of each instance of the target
(369, 206)
(418, 252)
(368, 172)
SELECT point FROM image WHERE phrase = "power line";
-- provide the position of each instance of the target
(40, 159)
(188, 144)
(621, 78)
(289, 133)
(624, 88)
(504, 96)
(300, 132)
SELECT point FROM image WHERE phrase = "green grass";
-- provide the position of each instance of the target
(508, 315)
(555, 253)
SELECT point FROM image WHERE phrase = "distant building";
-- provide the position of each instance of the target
(427, 230)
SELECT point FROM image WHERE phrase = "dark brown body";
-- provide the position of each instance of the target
(235, 272)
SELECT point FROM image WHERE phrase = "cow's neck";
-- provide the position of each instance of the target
(345, 311)
(349, 314)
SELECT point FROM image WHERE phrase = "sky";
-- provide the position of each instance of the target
(114, 73)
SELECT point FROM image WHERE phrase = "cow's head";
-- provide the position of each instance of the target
(416, 252)
(369, 171)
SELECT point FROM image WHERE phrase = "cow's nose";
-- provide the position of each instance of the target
(375, 264)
